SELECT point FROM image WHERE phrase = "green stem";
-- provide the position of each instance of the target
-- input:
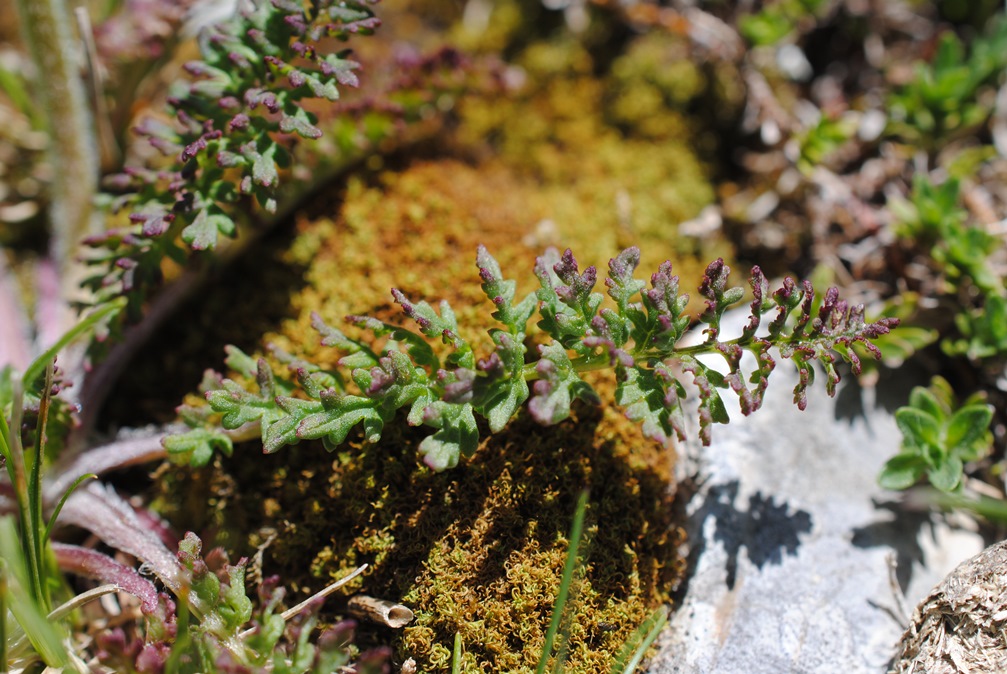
(600, 361)
(14, 454)
(3, 615)
(36, 523)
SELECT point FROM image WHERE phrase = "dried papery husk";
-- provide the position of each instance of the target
(961, 627)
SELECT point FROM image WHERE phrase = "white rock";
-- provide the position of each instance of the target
(789, 537)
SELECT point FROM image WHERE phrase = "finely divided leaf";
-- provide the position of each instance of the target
(443, 326)
(711, 406)
(340, 413)
(196, 447)
(240, 407)
(500, 291)
(416, 346)
(283, 431)
(718, 296)
(503, 390)
(457, 434)
(567, 303)
(621, 284)
(653, 397)
(557, 386)
(202, 233)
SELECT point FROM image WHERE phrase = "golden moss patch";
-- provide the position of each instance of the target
(479, 550)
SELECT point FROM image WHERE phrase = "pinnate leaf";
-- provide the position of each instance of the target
(621, 284)
(202, 233)
(638, 339)
(718, 296)
(567, 304)
(711, 405)
(340, 413)
(503, 390)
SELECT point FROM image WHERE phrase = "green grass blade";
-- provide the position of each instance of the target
(632, 652)
(456, 655)
(43, 635)
(19, 480)
(576, 533)
(993, 509)
(85, 325)
(62, 501)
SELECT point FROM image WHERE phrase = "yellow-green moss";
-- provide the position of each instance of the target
(479, 550)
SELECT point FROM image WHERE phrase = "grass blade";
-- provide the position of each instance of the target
(85, 325)
(456, 655)
(576, 533)
(43, 635)
(639, 642)
(62, 501)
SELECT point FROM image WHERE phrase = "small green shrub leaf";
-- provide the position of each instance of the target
(948, 475)
(902, 471)
(968, 430)
(919, 429)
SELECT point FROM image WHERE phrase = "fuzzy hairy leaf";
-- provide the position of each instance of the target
(340, 413)
(500, 291)
(457, 434)
(567, 304)
(557, 387)
(502, 393)
(902, 471)
(196, 447)
(653, 398)
(968, 429)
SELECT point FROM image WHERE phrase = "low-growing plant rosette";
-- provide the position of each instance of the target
(938, 438)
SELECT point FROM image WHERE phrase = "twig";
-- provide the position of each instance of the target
(290, 613)
(107, 147)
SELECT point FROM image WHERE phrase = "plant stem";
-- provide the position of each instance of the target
(3, 613)
(45, 27)
(35, 523)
